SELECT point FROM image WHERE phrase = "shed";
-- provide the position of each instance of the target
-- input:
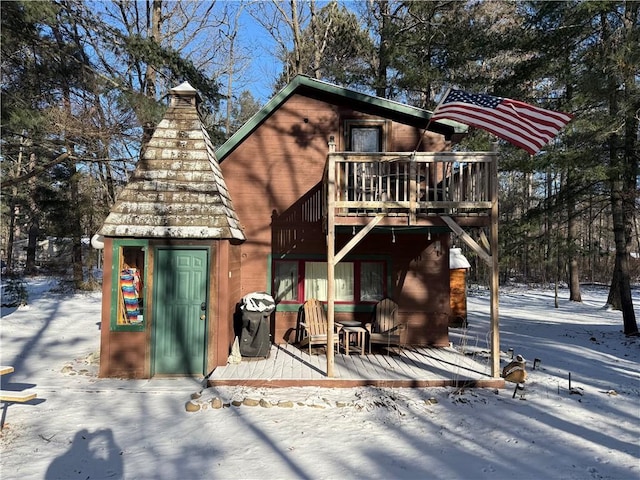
(171, 256)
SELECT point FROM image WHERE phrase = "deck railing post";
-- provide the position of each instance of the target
(412, 189)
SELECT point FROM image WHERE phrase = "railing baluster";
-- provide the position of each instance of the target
(402, 181)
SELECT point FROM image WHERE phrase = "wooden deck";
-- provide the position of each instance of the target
(289, 366)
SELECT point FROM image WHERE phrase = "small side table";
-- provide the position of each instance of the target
(359, 333)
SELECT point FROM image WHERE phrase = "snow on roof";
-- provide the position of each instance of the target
(177, 189)
(457, 259)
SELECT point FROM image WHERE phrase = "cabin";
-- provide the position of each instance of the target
(326, 193)
(350, 198)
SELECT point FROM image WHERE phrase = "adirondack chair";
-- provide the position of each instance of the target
(314, 325)
(385, 328)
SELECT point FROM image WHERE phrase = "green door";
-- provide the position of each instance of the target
(179, 311)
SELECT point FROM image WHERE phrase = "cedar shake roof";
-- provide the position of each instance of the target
(304, 85)
(177, 189)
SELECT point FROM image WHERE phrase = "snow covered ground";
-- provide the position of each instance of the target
(84, 427)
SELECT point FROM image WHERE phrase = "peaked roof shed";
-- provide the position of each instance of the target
(171, 270)
(177, 189)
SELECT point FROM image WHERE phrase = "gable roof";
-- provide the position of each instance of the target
(177, 189)
(311, 87)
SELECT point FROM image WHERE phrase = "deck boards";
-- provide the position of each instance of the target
(288, 365)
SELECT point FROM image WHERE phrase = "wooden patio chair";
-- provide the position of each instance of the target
(385, 328)
(315, 325)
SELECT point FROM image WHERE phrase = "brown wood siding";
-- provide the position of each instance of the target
(225, 292)
(105, 318)
(122, 354)
(407, 139)
(280, 163)
(421, 287)
(218, 293)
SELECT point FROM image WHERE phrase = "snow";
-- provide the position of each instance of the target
(85, 427)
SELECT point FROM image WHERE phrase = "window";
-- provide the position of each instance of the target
(365, 135)
(315, 281)
(285, 285)
(128, 271)
(365, 139)
(371, 281)
(295, 281)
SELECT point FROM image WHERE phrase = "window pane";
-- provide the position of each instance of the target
(315, 280)
(365, 139)
(344, 282)
(130, 289)
(285, 281)
(371, 281)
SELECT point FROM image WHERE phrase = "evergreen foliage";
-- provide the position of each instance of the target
(83, 83)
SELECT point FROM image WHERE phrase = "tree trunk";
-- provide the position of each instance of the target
(297, 43)
(151, 72)
(383, 50)
(624, 168)
(629, 174)
(34, 225)
(548, 222)
(319, 41)
(572, 248)
(230, 69)
(11, 237)
(13, 206)
(620, 291)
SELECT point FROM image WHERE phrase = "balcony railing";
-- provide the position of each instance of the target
(410, 183)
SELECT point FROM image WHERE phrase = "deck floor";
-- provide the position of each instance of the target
(289, 366)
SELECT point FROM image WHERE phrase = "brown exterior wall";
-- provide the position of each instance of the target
(122, 354)
(421, 276)
(225, 287)
(275, 175)
(267, 175)
(128, 354)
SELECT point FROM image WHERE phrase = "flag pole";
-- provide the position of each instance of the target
(424, 130)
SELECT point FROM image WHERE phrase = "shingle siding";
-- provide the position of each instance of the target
(177, 189)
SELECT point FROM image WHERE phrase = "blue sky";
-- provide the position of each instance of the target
(265, 67)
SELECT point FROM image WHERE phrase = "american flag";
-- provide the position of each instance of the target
(524, 125)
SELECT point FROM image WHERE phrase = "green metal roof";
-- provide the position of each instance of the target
(305, 85)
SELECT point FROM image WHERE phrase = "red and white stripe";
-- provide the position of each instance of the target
(519, 123)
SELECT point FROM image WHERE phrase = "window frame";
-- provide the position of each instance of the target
(381, 125)
(347, 306)
(118, 245)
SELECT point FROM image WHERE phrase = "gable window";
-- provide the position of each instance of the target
(359, 281)
(359, 180)
(365, 139)
(365, 135)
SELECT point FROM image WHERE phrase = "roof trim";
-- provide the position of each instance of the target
(396, 110)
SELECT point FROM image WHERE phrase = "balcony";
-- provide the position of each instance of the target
(413, 189)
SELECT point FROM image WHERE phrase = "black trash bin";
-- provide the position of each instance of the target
(255, 336)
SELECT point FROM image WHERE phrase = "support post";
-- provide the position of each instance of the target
(331, 247)
(495, 284)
